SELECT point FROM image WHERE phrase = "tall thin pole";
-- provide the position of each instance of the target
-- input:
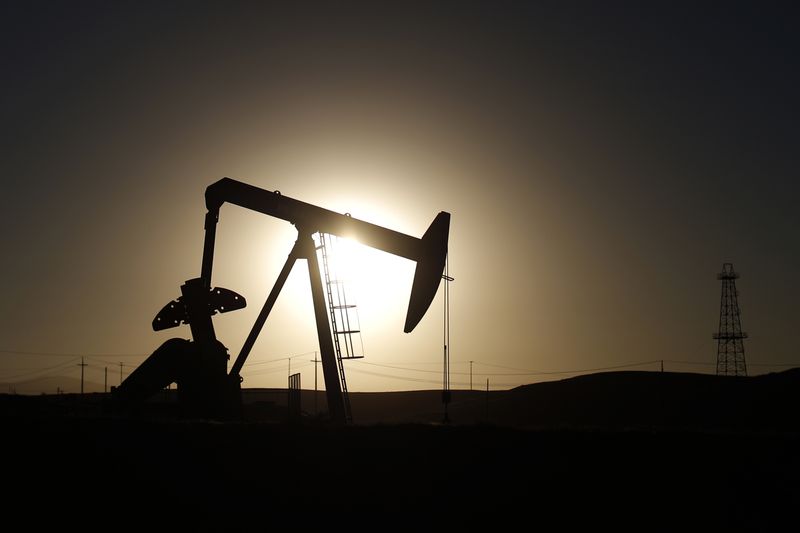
(470, 374)
(315, 361)
(105, 380)
(82, 365)
(446, 343)
(487, 399)
(120, 372)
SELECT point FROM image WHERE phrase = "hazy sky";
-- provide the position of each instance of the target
(601, 160)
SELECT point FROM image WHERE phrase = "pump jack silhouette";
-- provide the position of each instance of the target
(205, 387)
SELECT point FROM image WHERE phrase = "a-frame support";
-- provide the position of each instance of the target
(304, 249)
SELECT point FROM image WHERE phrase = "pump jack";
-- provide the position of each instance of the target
(205, 388)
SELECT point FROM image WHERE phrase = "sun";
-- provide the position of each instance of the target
(375, 285)
(348, 259)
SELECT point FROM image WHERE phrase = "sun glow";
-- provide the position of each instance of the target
(377, 284)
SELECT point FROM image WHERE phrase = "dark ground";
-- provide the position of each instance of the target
(619, 471)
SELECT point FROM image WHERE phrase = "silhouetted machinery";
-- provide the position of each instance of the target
(199, 367)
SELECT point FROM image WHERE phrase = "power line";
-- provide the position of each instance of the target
(501, 366)
(492, 374)
(525, 373)
(698, 363)
(261, 372)
(66, 366)
(59, 366)
(598, 369)
(256, 363)
(107, 362)
(403, 378)
(422, 380)
(278, 359)
(554, 372)
(438, 372)
(77, 354)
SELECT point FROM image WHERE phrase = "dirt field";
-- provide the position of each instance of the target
(160, 473)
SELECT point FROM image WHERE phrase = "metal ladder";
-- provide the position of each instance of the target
(343, 314)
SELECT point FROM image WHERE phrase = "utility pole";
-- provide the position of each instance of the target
(470, 374)
(315, 361)
(662, 365)
(105, 380)
(487, 400)
(82, 365)
(120, 372)
(446, 342)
